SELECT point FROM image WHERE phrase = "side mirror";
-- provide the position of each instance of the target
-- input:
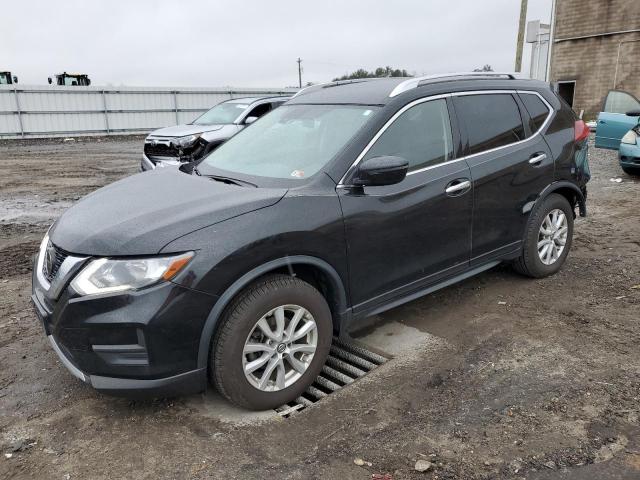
(15, 79)
(379, 171)
(634, 113)
(250, 120)
(50, 81)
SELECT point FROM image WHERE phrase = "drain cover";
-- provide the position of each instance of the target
(346, 363)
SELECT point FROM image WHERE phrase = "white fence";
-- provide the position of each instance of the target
(48, 111)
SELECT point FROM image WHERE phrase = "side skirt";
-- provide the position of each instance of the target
(425, 291)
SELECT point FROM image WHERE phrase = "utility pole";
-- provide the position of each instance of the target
(521, 28)
(552, 37)
(299, 72)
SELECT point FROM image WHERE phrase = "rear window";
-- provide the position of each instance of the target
(492, 120)
(538, 110)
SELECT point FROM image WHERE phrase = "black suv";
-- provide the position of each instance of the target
(352, 198)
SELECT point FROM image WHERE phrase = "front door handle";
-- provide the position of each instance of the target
(458, 187)
(537, 158)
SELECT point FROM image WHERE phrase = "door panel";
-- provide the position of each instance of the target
(611, 128)
(508, 170)
(403, 237)
(613, 121)
(504, 182)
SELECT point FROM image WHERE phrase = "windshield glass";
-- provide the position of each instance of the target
(294, 141)
(225, 112)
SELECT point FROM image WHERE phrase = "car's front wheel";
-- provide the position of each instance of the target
(631, 170)
(547, 239)
(272, 343)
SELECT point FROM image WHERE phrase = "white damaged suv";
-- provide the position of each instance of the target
(191, 142)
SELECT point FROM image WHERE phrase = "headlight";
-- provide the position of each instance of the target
(184, 142)
(105, 275)
(631, 137)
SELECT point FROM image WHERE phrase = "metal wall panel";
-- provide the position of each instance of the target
(44, 111)
(7, 101)
(9, 124)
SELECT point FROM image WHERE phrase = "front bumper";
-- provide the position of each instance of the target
(147, 163)
(138, 344)
(188, 382)
(629, 155)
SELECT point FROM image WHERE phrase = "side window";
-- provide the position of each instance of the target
(421, 135)
(259, 110)
(620, 102)
(538, 110)
(492, 120)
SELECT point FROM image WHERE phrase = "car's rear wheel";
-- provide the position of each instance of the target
(547, 239)
(272, 343)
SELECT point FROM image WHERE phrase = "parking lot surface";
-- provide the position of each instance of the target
(497, 377)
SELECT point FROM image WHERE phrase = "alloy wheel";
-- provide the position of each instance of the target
(552, 236)
(280, 348)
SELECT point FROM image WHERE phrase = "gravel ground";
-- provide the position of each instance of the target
(496, 377)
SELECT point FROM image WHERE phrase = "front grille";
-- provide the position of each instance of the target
(161, 148)
(53, 258)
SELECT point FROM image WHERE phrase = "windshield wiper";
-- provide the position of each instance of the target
(227, 180)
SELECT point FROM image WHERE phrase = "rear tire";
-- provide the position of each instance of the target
(548, 238)
(260, 325)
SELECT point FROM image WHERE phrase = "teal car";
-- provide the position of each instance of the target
(630, 151)
(618, 128)
(621, 113)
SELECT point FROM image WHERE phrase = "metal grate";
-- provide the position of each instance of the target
(346, 363)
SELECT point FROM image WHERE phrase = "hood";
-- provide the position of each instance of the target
(141, 214)
(183, 130)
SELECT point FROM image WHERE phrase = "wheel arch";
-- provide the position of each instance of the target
(568, 190)
(313, 270)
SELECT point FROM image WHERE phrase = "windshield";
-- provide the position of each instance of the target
(294, 141)
(226, 112)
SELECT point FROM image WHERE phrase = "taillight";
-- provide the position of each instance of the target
(582, 131)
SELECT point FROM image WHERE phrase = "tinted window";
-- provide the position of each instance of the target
(421, 135)
(620, 102)
(260, 110)
(537, 109)
(492, 120)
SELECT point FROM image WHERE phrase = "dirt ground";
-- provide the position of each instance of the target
(496, 377)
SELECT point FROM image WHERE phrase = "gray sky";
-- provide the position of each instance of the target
(253, 43)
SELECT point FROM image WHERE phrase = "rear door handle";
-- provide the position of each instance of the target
(458, 187)
(537, 158)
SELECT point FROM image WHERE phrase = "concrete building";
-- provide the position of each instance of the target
(596, 48)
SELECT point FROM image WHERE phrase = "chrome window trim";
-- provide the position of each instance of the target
(449, 95)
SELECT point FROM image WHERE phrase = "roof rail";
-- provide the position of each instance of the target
(415, 82)
(334, 83)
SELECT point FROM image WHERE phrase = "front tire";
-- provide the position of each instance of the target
(272, 343)
(547, 239)
(631, 170)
